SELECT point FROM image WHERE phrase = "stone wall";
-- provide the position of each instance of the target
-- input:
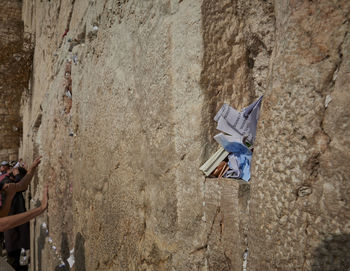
(15, 60)
(299, 205)
(121, 150)
(122, 156)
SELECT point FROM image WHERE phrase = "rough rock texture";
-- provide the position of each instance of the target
(299, 198)
(124, 153)
(121, 103)
(15, 61)
(238, 41)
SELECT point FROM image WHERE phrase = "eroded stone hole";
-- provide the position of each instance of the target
(37, 123)
(68, 94)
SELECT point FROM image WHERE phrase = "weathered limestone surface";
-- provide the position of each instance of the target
(125, 157)
(122, 156)
(15, 60)
(299, 207)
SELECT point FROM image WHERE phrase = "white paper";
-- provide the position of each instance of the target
(222, 139)
(234, 171)
(239, 124)
(71, 260)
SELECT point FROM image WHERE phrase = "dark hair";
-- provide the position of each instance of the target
(22, 171)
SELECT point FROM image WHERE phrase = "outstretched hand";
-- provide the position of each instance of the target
(36, 162)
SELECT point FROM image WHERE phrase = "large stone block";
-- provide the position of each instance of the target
(225, 210)
(300, 177)
(146, 79)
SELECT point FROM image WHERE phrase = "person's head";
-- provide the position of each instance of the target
(4, 166)
(22, 171)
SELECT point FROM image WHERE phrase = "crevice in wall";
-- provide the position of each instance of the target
(314, 162)
(235, 70)
(68, 20)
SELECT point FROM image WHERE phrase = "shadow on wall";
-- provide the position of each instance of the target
(333, 254)
(64, 247)
(64, 253)
(79, 252)
(41, 246)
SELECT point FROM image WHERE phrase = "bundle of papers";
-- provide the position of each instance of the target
(240, 132)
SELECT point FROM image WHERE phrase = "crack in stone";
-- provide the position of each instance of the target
(316, 161)
(68, 21)
(212, 224)
(199, 249)
(305, 245)
(228, 261)
(331, 83)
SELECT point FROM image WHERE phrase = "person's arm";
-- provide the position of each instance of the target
(10, 193)
(23, 184)
(13, 221)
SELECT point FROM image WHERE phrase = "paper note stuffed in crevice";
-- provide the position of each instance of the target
(238, 140)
